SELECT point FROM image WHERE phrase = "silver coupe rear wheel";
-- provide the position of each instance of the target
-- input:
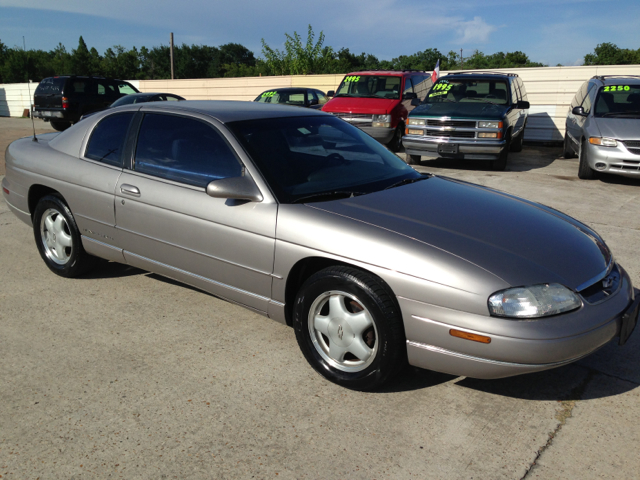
(342, 331)
(56, 237)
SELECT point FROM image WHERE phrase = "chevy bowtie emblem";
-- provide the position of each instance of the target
(449, 129)
(340, 332)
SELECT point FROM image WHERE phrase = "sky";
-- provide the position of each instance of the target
(549, 31)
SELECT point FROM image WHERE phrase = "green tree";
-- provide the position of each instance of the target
(298, 59)
(611, 54)
(81, 59)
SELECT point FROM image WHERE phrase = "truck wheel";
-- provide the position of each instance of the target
(516, 145)
(60, 126)
(501, 163)
(396, 142)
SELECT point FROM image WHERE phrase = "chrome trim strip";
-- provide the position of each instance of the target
(277, 304)
(199, 277)
(84, 237)
(598, 277)
(93, 220)
(193, 251)
(444, 351)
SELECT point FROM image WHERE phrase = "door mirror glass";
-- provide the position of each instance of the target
(578, 111)
(331, 93)
(523, 105)
(409, 96)
(237, 188)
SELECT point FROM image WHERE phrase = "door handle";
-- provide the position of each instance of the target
(130, 190)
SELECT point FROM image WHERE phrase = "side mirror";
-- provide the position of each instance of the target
(523, 105)
(415, 101)
(313, 101)
(331, 93)
(409, 96)
(578, 111)
(238, 188)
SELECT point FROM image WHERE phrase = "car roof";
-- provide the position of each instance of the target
(290, 89)
(618, 79)
(481, 75)
(396, 73)
(232, 111)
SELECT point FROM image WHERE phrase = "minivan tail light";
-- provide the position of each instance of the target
(65, 102)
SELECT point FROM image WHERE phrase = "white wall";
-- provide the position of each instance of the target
(550, 90)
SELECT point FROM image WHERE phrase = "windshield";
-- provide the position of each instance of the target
(370, 86)
(468, 90)
(618, 101)
(287, 98)
(302, 157)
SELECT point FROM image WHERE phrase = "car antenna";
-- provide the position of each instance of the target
(33, 123)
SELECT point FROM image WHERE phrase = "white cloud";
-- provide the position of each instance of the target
(475, 31)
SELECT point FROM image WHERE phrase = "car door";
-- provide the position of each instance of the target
(91, 193)
(170, 225)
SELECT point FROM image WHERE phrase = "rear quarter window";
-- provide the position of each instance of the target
(106, 143)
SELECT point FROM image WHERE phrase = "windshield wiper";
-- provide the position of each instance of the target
(407, 181)
(326, 196)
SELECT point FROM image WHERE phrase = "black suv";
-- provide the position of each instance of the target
(470, 115)
(65, 99)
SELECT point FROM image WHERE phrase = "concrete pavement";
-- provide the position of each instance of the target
(124, 374)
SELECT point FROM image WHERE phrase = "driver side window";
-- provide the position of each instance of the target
(184, 150)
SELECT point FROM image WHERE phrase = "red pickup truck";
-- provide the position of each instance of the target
(379, 101)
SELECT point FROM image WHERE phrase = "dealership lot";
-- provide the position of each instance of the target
(125, 374)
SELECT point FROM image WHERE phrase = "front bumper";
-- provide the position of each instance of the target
(517, 346)
(466, 149)
(383, 135)
(617, 160)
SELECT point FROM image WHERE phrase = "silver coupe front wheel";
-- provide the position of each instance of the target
(342, 331)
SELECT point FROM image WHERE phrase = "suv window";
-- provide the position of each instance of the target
(50, 86)
(184, 150)
(421, 84)
(515, 94)
(463, 90)
(408, 86)
(107, 139)
(523, 91)
(125, 88)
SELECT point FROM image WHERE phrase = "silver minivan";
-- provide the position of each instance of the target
(603, 126)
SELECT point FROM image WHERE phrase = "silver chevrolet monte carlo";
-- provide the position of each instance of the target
(304, 218)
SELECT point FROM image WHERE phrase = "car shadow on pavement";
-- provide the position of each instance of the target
(107, 269)
(618, 180)
(518, 162)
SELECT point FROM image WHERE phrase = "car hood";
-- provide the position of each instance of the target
(374, 106)
(459, 234)
(461, 110)
(619, 128)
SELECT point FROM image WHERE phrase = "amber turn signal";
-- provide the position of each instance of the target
(469, 336)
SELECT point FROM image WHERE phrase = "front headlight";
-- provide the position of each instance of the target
(604, 141)
(383, 121)
(490, 124)
(416, 121)
(533, 302)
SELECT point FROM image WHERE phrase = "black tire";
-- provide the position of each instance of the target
(501, 163)
(585, 172)
(413, 159)
(395, 144)
(516, 144)
(368, 323)
(567, 150)
(58, 238)
(60, 126)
